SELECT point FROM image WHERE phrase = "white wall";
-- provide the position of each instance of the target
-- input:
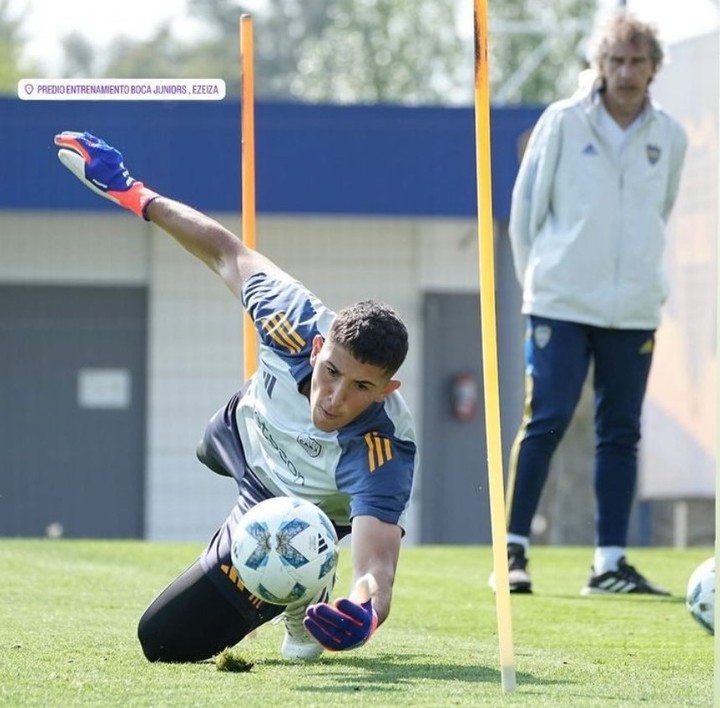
(68, 247)
(679, 442)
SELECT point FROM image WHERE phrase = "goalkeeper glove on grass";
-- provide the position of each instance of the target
(342, 625)
(100, 167)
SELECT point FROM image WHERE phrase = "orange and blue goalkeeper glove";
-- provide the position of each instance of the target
(342, 625)
(100, 167)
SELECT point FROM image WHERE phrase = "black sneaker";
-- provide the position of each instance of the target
(623, 581)
(518, 577)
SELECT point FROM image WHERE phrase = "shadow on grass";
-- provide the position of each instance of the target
(609, 597)
(393, 672)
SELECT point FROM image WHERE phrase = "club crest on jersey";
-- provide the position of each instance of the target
(541, 335)
(653, 153)
(310, 445)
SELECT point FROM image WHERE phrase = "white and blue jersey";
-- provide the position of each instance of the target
(364, 468)
(265, 438)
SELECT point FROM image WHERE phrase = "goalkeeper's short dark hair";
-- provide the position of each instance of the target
(373, 333)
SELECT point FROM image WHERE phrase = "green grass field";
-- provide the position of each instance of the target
(69, 611)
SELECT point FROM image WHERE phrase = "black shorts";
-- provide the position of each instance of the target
(221, 450)
(207, 608)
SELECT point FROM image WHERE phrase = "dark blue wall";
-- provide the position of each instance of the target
(319, 159)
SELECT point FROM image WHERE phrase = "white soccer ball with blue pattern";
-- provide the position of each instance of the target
(700, 598)
(285, 550)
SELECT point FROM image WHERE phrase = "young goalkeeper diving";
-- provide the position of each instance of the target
(321, 420)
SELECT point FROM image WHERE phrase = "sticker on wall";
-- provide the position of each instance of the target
(103, 388)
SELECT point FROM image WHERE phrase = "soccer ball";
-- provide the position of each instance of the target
(285, 550)
(700, 598)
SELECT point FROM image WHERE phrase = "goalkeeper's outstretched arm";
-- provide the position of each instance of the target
(100, 167)
(351, 621)
(212, 243)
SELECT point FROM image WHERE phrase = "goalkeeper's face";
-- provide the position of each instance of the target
(342, 388)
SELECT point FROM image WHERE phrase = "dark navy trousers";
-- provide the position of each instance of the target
(557, 358)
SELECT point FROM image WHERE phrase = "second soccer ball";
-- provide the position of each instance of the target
(700, 598)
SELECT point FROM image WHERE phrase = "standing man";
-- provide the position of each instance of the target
(595, 189)
(321, 420)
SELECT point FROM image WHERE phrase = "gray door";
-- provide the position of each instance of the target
(454, 482)
(72, 411)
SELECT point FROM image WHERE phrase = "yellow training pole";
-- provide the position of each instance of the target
(716, 615)
(489, 347)
(247, 109)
